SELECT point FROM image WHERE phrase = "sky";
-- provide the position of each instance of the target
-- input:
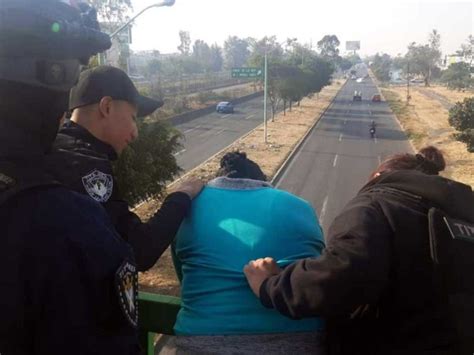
(381, 26)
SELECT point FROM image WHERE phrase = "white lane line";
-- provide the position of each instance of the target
(218, 132)
(225, 116)
(380, 160)
(323, 210)
(335, 161)
(178, 153)
(249, 116)
(340, 137)
(192, 129)
(375, 140)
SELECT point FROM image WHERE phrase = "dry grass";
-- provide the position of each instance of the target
(452, 96)
(283, 134)
(426, 122)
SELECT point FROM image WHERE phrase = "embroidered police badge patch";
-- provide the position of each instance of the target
(126, 283)
(98, 185)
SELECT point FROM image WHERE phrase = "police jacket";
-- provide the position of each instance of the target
(66, 273)
(83, 163)
(374, 282)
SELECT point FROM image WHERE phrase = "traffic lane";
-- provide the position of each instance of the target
(207, 135)
(339, 155)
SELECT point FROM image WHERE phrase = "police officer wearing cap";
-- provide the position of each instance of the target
(105, 105)
(68, 283)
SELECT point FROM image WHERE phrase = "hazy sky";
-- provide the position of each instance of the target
(381, 26)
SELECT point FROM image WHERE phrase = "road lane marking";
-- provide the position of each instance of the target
(178, 153)
(225, 116)
(340, 137)
(192, 129)
(375, 139)
(323, 210)
(218, 132)
(335, 161)
(249, 116)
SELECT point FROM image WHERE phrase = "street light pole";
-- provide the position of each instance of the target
(408, 83)
(121, 28)
(265, 102)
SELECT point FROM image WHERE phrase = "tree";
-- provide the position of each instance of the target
(381, 66)
(185, 43)
(216, 59)
(457, 76)
(236, 52)
(424, 58)
(268, 45)
(148, 164)
(328, 47)
(112, 10)
(467, 50)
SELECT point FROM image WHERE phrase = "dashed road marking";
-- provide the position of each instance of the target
(335, 161)
(323, 210)
(249, 116)
(192, 129)
(340, 137)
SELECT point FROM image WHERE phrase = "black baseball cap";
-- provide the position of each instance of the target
(101, 81)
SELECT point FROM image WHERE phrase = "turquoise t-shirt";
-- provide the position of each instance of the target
(226, 229)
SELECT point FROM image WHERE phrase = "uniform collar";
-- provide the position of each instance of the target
(75, 130)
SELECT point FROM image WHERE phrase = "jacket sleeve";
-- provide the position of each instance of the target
(149, 240)
(351, 272)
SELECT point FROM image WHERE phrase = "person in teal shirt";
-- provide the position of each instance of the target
(239, 217)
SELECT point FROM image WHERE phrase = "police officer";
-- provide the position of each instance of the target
(68, 281)
(105, 105)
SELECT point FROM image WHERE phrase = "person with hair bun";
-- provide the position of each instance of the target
(239, 216)
(375, 282)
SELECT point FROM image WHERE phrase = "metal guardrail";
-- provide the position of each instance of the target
(157, 316)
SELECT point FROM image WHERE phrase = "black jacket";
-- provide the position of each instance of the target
(59, 257)
(83, 163)
(374, 282)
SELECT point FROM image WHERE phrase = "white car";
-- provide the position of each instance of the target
(359, 80)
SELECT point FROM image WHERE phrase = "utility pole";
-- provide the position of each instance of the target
(265, 102)
(408, 83)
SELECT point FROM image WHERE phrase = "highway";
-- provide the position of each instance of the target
(207, 135)
(336, 159)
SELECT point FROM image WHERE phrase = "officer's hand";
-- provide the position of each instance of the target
(257, 271)
(192, 187)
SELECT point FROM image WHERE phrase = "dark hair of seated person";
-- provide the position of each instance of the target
(236, 165)
(429, 160)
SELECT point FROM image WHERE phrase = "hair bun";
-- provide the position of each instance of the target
(433, 159)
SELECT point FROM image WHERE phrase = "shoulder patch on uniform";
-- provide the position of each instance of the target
(98, 185)
(126, 284)
(6, 182)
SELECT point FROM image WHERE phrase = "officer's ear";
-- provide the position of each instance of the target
(105, 106)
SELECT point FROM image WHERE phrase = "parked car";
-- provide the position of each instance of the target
(357, 96)
(225, 107)
(376, 98)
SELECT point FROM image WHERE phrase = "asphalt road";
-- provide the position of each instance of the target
(207, 135)
(339, 155)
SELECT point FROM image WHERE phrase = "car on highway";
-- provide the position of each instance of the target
(353, 77)
(357, 96)
(225, 107)
(376, 98)
(359, 80)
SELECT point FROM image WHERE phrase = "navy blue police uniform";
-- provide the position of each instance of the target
(84, 163)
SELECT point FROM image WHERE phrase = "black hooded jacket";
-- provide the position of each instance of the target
(374, 282)
(79, 161)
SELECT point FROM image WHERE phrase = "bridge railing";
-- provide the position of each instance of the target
(157, 316)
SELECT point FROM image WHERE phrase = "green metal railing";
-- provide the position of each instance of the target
(157, 316)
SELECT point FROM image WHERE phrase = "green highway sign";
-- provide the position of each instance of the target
(247, 72)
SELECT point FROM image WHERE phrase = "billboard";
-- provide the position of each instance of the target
(352, 45)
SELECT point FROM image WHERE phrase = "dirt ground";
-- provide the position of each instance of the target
(283, 134)
(425, 121)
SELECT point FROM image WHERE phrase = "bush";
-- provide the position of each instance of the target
(461, 115)
(467, 137)
(148, 164)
